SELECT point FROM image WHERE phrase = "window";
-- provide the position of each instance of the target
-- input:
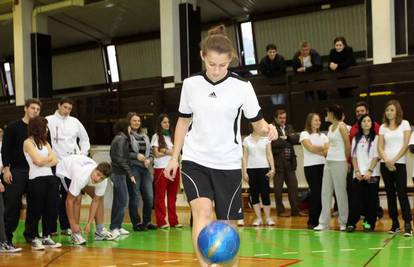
(9, 78)
(113, 64)
(249, 57)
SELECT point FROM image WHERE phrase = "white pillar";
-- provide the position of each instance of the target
(22, 27)
(383, 31)
(170, 41)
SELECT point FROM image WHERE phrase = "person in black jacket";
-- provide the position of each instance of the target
(273, 64)
(306, 59)
(121, 171)
(342, 56)
(16, 169)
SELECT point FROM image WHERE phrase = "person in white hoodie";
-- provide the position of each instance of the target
(64, 132)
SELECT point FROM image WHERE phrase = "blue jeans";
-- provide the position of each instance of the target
(120, 200)
(143, 187)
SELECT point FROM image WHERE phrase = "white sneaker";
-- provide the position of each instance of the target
(321, 227)
(77, 239)
(48, 242)
(104, 235)
(122, 231)
(67, 232)
(257, 222)
(270, 222)
(116, 233)
(240, 222)
(342, 227)
(37, 244)
(8, 248)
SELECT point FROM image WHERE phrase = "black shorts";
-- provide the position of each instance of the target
(221, 186)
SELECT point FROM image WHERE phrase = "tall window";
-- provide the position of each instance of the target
(249, 57)
(9, 78)
(113, 64)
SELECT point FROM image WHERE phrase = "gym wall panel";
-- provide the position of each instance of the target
(139, 60)
(78, 69)
(320, 28)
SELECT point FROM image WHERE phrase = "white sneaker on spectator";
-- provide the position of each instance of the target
(122, 231)
(37, 244)
(257, 222)
(7, 248)
(77, 239)
(48, 242)
(240, 222)
(104, 235)
(342, 227)
(270, 222)
(321, 227)
(116, 233)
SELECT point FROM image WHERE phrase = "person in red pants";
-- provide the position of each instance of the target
(162, 146)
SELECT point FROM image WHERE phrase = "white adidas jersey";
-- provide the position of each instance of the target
(214, 139)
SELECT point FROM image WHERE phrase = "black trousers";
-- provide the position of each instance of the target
(396, 185)
(63, 218)
(314, 175)
(41, 204)
(364, 199)
(3, 237)
(259, 185)
(13, 201)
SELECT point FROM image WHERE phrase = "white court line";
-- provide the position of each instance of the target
(290, 252)
(259, 255)
(319, 251)
(404, 247)
(347, 249)
(171, 261)
(375, 248)
(140, 263)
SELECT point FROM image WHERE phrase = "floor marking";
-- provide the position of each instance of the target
(347, 249)
(319, 251)
(375, 248)
(140, 263)
(171, 261)
(404, 247)
(259, 255)
(290, 252)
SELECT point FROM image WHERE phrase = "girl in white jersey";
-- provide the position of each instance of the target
(364, 192)
(394, 136)
(212, 102)
(42, 186)
(335, 170)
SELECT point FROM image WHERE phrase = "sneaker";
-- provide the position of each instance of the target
(367, 227)
(240, 222)
(48, 242)
(37, 244)
(7, 248)
(151, 226)
(67, 232)
(350, 228)
(321, 227)
(165, 226)
(257, 222)
(122, 231)
(116, 233)
(178, 225)
(77, 239)
(270, 222)
(104, 235)
(408, 229)
(395, 228)
(140, 227)
(342, 227)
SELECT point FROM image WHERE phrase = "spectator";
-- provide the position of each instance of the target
(273, 64)
(306, 59)
(342, 56)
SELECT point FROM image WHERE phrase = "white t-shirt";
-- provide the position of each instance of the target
(394, 139)
(307, 61)
(364, 158)
(214, 140)
(316, 139)
(256, 151)
(161, 162)
(78, 168)
(336, 151)
(38, 171)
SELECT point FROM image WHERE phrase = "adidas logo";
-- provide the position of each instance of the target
(213, 95)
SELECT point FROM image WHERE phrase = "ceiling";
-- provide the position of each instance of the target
(103, 20)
